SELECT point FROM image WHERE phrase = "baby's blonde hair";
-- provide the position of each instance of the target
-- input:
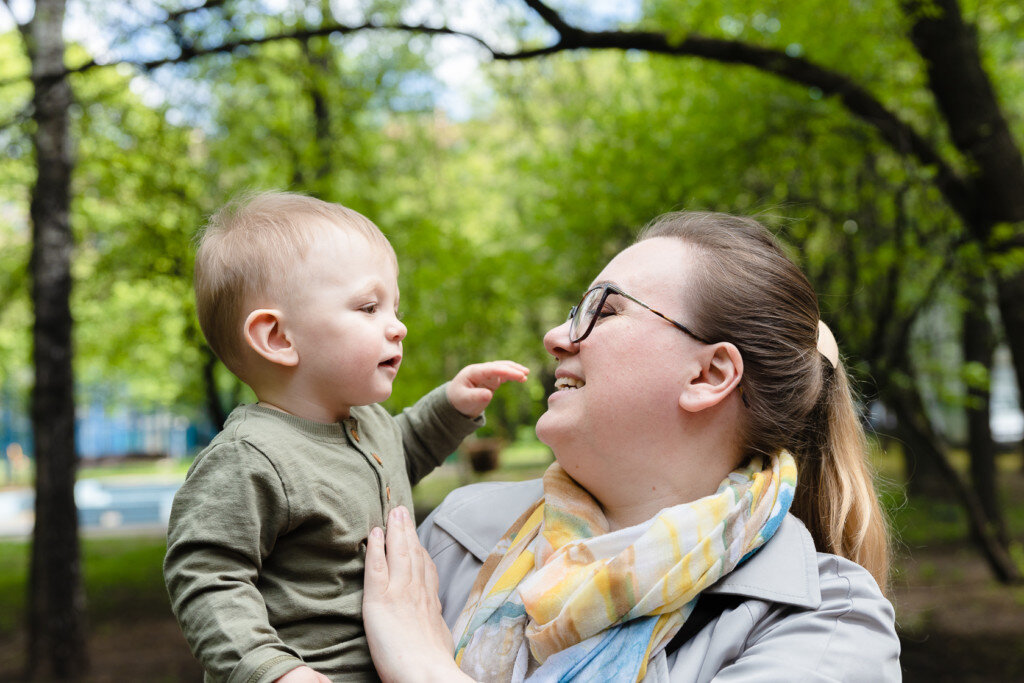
(248, 248)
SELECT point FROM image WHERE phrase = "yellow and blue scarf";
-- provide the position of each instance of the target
(589, 604)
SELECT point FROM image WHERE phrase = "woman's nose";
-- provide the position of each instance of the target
(557, 343)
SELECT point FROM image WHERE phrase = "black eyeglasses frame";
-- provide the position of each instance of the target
(609, 288)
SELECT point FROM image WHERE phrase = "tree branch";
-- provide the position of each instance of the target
(209, 4)
(188, 53)
(967, 100)
(171, 20)
(900, 135)
(305, 34)
(551, 17)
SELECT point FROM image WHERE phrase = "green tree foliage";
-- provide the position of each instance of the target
(138, 198)
(15, 179)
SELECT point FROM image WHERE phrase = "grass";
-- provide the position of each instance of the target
(122, 576)
(13, 583)
(168, 468)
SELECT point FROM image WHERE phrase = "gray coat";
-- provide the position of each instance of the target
(804, 615)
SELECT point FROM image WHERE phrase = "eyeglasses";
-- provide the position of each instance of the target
(583, 316)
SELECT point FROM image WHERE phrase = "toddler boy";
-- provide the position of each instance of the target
(267, 535)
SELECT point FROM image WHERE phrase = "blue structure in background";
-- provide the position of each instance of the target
(99, 433)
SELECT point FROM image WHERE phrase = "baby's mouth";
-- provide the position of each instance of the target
(392, 362)
(567, 383)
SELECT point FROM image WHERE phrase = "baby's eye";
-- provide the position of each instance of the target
(369, 308)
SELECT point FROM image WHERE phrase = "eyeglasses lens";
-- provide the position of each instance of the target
(585, 314)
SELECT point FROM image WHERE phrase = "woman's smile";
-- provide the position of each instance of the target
(568, 382)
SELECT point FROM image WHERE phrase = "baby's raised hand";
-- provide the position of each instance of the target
(473, 388)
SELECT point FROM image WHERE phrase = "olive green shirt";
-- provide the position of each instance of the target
(267, 535)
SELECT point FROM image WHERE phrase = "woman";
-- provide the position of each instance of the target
(671, 539)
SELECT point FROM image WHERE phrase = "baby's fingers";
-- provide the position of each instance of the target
(495, 372)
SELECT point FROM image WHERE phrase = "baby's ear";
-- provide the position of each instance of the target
(265, 333)
(716, 376)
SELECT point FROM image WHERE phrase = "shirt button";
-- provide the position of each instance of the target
(389, 494)
(354, 433)
(377, 458)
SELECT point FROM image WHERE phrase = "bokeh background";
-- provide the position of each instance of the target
(507, 148)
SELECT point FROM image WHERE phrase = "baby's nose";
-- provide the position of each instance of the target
(397, 330)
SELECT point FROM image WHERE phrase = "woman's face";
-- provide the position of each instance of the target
(617, 391)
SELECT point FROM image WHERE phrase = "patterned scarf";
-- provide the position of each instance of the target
(589, 604)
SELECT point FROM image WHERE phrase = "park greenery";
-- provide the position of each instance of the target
(501, 209)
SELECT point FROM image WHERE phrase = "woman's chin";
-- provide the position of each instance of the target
(548, 429)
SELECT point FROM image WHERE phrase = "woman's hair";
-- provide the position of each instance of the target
(744, 290)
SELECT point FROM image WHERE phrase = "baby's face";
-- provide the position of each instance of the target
(342, 316)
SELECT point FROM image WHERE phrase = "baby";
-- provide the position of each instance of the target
(267, 535)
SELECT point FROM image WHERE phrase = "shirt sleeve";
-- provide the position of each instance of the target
(224, 521)
(850, 637)
(431, 431)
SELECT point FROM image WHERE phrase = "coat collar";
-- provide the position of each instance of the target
(784, 570)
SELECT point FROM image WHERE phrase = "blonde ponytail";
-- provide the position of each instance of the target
(835, 496)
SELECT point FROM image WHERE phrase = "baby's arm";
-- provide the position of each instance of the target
(303, 674)
(225, 519)
(433, 428)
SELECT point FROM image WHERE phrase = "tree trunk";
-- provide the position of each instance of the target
(214, 407)
(56, 602)
(979, 348)
(319, 71)
(918, 430)
(967, 100)
(924, 476)
(922, 449)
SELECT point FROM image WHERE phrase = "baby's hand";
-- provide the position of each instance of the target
(303, 674)
(472, 389)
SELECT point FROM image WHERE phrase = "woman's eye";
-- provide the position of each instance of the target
(605, 312)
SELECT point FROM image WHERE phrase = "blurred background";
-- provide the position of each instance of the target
(508, 148)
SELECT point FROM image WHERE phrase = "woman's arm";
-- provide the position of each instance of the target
(408, 639)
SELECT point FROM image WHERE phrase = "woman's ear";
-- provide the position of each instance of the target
(264, 331)
(716, 377)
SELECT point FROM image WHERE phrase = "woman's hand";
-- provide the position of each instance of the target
(408, 639)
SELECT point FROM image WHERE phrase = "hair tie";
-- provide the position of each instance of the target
(827, 345)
